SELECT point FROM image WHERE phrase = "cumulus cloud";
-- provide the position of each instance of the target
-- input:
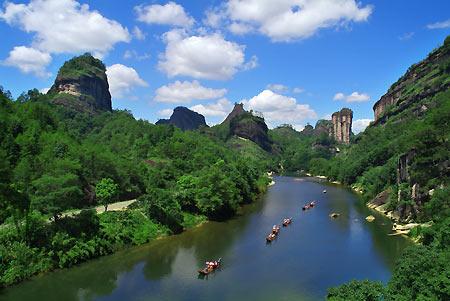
(294, 19)
(239, 28)
(354, 97)
(29, 60)
(138, 33)
(439, 25)
(166, 113)
(220, 108)
(278, 88)
(298, 90)
(213, 17)
(133, 54)
(186, 91)
(278, 108)
(360, 125)
(202, 56)
(168, 14)
(65, 26)
(122, 80)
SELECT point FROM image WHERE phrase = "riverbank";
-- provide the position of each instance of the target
(80, 236)
(398, 228)
(166, 269)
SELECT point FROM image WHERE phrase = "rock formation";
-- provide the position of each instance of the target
(82, 85)
(237, 110)
(422, 80)
(248, 125)
(253, 128)
(184, 119)
(342, 125)
(323, 127)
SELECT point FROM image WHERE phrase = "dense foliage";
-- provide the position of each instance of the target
(53, 160)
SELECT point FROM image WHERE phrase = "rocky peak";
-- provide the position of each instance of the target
(82, 84)
(237, 110)
(342, 125)
(184, 119)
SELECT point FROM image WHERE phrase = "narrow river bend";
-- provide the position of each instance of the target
(312, 254)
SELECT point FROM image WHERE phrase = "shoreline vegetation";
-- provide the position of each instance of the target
(398, 227)
(54, 160)
(156, 232)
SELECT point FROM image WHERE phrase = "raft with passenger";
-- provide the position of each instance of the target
(210, 267)
(273, 234)
(309, 205)
(287, 222)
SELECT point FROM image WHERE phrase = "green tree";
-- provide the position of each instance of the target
(422, 273)
(106, 191)
(355, 290)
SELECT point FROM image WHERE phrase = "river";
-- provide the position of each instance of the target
(312, 254)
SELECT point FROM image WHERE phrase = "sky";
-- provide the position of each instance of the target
(295, 61)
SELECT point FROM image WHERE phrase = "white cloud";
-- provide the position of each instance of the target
(203, 56)
(44, 90)
(339, 96)
(138, 33)
(185, 92)
(122, 80)
(239, 28)
(298, 127)
(295, 19)
(354, 97)
(132, 54)
(298, 90)
(168, 14)
(65, 26)
(279, 108)
(220, 108)
(278, 88)
(29, 60)
(360, 125)
(166, 113)
(213, 18)
(439, 25)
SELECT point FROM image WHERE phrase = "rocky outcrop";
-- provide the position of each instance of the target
(82, 84)
(403, 165)
(237, 110)
(342, 125)
(251, 127)
(323, 127)
(422, 80)
(184, 119)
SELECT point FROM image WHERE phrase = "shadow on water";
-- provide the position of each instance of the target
(310, 255)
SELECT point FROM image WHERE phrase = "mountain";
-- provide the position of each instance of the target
(402, 159)
(421, 82)
(82, 85)
(185, 119)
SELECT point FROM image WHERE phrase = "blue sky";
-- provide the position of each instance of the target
(296, 61)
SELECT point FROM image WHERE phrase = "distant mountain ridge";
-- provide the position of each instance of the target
(185, 119)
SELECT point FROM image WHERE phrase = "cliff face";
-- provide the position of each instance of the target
(253, 128)
(342, 125)
(422, 80)
(184, 119)
(237, 110)
(82, 84)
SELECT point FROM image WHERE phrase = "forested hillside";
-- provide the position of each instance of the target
(55, 158)
(404, 159)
